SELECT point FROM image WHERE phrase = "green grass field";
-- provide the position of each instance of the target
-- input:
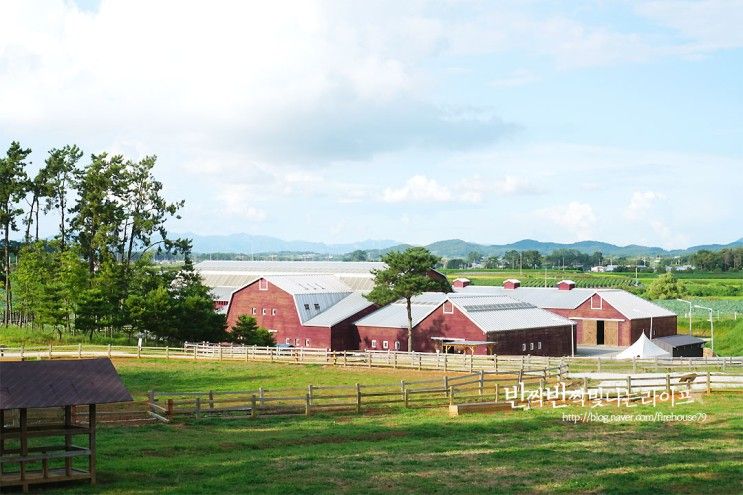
(408, 451)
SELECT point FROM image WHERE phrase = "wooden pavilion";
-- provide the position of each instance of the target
(37, 402)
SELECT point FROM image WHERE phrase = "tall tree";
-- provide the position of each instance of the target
(13, 187)
(406, 276)
(61, 169)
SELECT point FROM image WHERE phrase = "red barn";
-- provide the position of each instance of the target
(314, 311)
(610, 317)
(485, 323)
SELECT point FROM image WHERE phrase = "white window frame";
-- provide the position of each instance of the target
(264, 311)
(397, 345)
(385, 344)
(531, 346)
(296, 342)
(263, 284)
(288, 341)
(451, 308)
(523, 347)
(374, 343)
(273, 312)
(306, 307)
(306, 342)
(601, 302)
(255, 311)
(539, 345)
(317, 307)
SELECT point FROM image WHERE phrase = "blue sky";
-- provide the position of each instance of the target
(416, 121)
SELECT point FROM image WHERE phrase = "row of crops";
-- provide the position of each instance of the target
(724, 308)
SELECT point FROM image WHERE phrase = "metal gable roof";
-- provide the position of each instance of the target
(395, 315)
(289, 267)
(542, 297)
(343, 309)
(29, 384)
(631, 306)
(308, 284)
(496, 313)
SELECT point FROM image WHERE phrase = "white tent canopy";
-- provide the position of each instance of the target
(643, 348)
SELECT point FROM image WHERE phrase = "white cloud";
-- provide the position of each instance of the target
(418, 188)
(576, 217)
(641, 203)
(518, 77)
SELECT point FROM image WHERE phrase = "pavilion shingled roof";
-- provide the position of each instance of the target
(29, 384)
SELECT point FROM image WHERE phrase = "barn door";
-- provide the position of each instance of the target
(588, 333)
(611, 333)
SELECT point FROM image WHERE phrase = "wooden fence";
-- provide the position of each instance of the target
(481, 385)
(385, 359)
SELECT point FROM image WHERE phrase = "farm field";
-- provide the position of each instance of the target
(410, 451)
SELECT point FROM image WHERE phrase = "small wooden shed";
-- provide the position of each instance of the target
(28, 455)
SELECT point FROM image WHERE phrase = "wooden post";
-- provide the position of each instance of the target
(472, 359)
(247, 351)
(451, 395)
(79, 351)
(368, 358)
(629, 384)
(309, 394)
(395, 361)
(668, 383)
(307, 399)
(402, 388)
(91, 441)
(109, 351)
(495, 362)
(22, 349)
(211, 398)
(482, 382)
(345, 359)
(446, 386)
(446, 355)
(220, 352)
(67, 439)
(197, 411)
(405, 396)
(260, 395)
(634, 364)
(598, 364)
(170, 408)
(496, 393)
(419, 362)
(253, 410)
(150, 400)
(709, 382)
(50, 350)
(24, 444)
(194, 352)
(167, 352)
(358, 398)
(585, 385)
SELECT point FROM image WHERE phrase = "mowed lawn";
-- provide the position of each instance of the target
(408, 451)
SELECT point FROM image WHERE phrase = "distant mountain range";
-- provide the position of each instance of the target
(453, 248)
(261, 244)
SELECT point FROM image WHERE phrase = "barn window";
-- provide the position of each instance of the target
(273, 312)
(385, 344)
(306, 342)
(539, 345)
(263, 284)
(296, 342)
(523, 347)
(374, 344)
(255, 311)
(397, 345)
(596, 302)
(288, 341)
(264, 311)
(531, 346)
(448, 308)
(317, 307)
(307, 307)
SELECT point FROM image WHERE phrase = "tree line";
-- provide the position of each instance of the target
(96, 273)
